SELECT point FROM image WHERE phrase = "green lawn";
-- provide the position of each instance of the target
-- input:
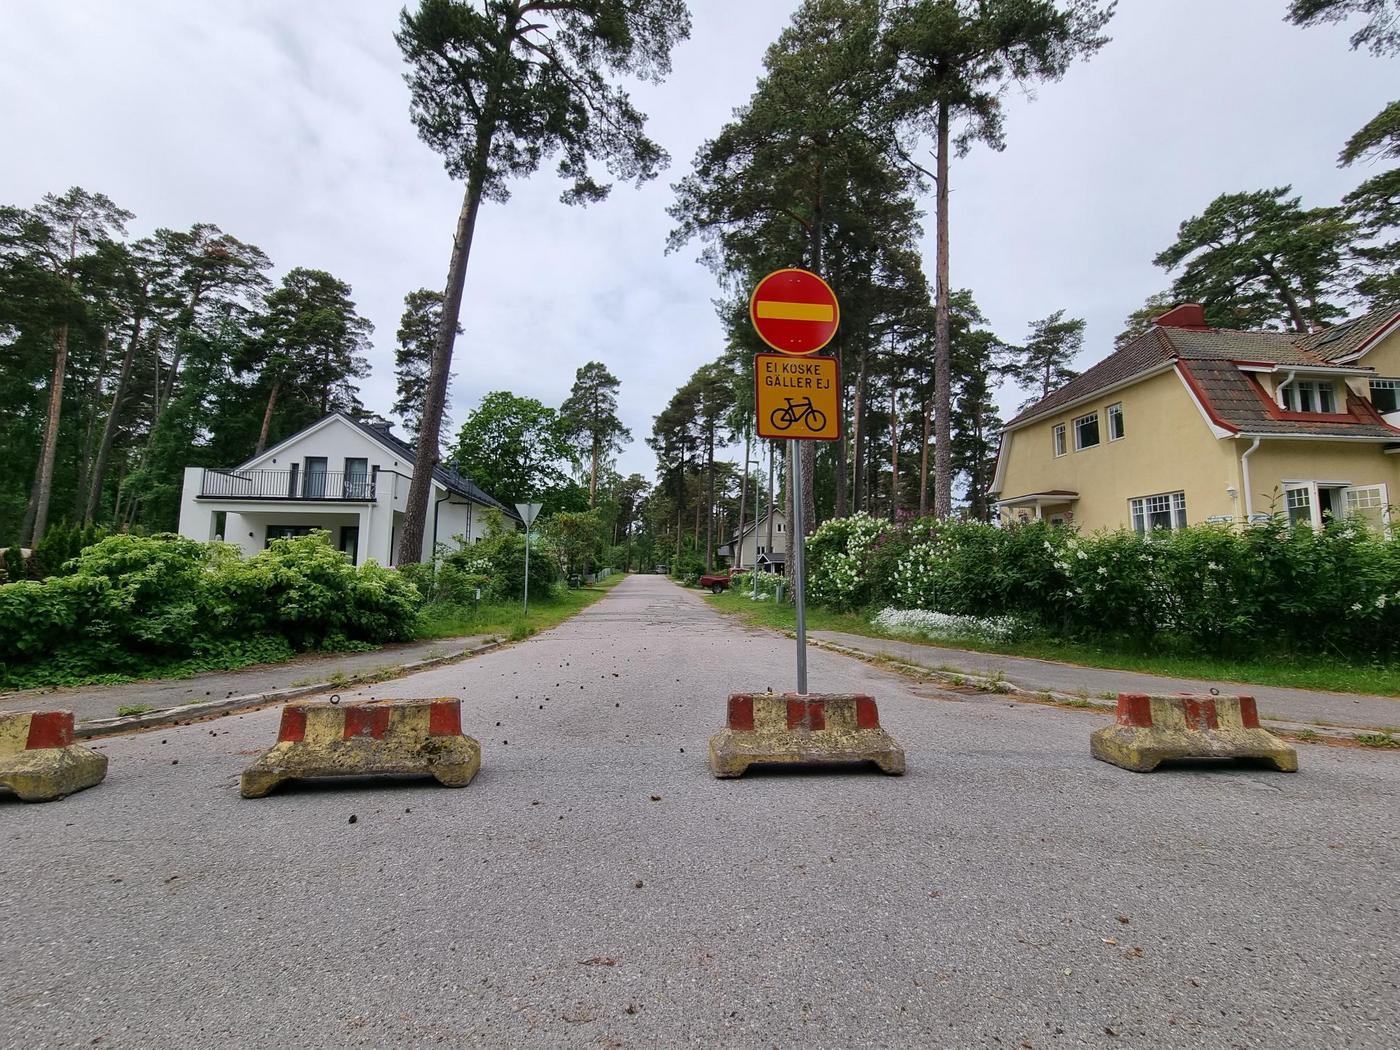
(505, 620)
(1298, 672)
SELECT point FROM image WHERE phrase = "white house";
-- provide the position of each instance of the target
(339, 474)
(750, 545)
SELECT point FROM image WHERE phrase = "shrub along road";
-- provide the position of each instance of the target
(596, 887)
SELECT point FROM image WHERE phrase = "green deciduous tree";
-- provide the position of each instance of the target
(1261, 260)
(953, 62)
(590, 420)
(513, 448)
(499, 85)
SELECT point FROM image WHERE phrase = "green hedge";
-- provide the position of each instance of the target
(1216, 588)
(129, 606)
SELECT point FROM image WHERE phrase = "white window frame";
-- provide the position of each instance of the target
(1381, 383)
(780, 525)
(1111, 413)
(1306, 489)
(1140, 509)
(1290, 399)
(1080, 419)
(1060, 440)
(1384, 506)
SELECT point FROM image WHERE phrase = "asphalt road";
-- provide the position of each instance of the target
(1008, 892)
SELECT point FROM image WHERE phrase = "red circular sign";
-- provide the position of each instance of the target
(794, 312)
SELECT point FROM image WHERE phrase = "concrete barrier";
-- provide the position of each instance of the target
(380, 737)
(816, 728)
(1152, 729)
(38, 759)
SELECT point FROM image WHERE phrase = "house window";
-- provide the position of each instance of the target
(1163, 512)
(780, 526)
(1115, 422)
(1369, 504)
(1298, 503)
(762, 550)
(1310, 395)
(1385, 395)
(1086, 431)
(287, 532)
(1060, 448)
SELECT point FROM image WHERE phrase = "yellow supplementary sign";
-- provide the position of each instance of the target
(798, 397)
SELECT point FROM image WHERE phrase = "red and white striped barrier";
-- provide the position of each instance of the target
(792, 728)
(328, 739)
(1153, 728)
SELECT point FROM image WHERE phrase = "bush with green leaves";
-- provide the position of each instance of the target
(1208, 588)
(133, 605)
(497, 563)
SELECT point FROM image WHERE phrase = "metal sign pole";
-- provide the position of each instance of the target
(527, 570)
(799, 564)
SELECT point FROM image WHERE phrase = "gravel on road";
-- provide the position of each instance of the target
(596, 887)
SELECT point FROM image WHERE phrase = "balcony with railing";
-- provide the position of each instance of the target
(331, 486)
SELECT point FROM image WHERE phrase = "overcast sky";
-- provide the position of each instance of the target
(285, 122)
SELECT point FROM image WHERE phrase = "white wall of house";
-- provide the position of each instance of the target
(374, 524)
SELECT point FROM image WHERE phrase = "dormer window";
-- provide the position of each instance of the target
(1310, 395)
(1385, 395)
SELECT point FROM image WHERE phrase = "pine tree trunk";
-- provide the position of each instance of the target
(430, 422)
(894, 454)
(1290, 300)
(858, 421)
(593, 477)
(842, 497)
(710, 502)
(36, 515)
(923, 457)
(942, 354)
(267, 417)
(736, 555)
(109, 429)
(88, 451)
(768, 540)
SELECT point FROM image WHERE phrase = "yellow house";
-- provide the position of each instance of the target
(1188, 424)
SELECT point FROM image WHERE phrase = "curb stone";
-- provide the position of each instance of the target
(97, 727)
(1026, 694)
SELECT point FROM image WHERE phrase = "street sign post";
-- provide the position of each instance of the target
(796, 313)
(528, 512)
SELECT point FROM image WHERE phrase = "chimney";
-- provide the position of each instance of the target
(1191, 316)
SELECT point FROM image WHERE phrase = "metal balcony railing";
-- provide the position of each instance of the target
(287, 484)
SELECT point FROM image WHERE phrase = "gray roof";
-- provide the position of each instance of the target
(448, 479)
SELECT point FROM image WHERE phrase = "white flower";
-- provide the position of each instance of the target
(1211, 565)
(1082, 556)
(1103, 570)
(1356, 607)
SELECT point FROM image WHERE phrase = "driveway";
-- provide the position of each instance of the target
(596, 887)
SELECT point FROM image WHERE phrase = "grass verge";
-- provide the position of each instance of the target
(1295, 672)
(507, 620)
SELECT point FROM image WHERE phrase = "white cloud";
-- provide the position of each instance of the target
(287, 125)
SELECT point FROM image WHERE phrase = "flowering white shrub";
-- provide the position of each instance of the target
(841, 564)
(921, 623)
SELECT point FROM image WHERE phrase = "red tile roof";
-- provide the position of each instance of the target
(1208, 359)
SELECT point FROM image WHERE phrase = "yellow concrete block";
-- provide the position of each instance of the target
(39, 761)
(811, 729)
(1154, 729)
(388, 737)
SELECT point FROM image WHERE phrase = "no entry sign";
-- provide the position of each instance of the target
(794, 312)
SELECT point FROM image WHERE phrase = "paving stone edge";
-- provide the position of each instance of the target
(97, 727)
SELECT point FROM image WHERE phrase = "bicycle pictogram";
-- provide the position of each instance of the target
(794, 412)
